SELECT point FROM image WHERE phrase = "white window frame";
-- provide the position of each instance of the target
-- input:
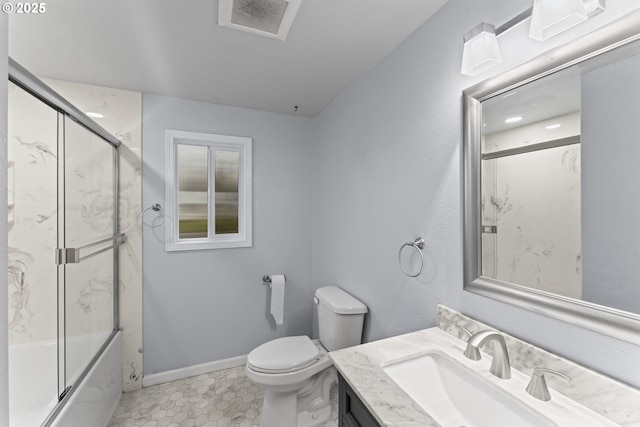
(214, 142)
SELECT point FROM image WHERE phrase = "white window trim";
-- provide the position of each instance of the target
(222, 241)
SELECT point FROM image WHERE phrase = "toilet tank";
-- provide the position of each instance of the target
(340, 318)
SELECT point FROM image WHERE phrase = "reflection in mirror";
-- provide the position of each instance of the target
(551, 177)
(531, 185)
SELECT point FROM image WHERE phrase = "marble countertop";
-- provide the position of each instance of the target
(362, 367)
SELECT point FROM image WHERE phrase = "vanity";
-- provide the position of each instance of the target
(374, 390)
(352, 410)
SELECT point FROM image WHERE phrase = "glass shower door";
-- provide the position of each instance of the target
(32, 239)
(62, 247)
(89, 238)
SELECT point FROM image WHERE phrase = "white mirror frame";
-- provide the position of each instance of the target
(609, 321)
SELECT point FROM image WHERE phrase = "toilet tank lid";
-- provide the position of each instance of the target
(340, 301)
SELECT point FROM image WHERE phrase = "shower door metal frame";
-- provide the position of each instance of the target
(34, 86)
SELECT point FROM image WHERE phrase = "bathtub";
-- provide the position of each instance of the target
(33, 383)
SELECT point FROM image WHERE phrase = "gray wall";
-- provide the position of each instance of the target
(610, 177)
(387, 168)
(202, 306)
(4, 356)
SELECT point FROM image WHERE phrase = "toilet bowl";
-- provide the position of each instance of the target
(294, 392)
(296, 372)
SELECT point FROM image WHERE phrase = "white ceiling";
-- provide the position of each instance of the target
(175, 48)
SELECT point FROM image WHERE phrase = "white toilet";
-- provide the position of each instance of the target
(296, 372)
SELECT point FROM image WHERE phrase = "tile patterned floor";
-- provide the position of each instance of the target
(225, 398)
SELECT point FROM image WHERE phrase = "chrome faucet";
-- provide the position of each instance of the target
(537, 387)
(500, 366)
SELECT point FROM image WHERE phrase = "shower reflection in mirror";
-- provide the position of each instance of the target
(530, 174)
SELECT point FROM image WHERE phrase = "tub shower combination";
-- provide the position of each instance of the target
(64, 344)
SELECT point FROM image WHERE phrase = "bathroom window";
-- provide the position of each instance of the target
(207, 191)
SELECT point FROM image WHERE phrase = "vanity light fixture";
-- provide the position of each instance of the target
(551, 17)
(548, 18)
(481, 50)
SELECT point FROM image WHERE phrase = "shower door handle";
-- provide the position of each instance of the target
(72, 255)
(67, 256)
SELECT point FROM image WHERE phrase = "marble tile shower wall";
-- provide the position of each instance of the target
(88, 217)
(32, 199)
(32, 221)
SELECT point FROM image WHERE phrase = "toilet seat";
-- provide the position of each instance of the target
(288, 354)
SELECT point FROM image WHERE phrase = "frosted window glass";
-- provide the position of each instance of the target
(227, 168)
(193, 191)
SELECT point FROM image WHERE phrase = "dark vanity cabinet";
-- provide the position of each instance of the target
(352, 412)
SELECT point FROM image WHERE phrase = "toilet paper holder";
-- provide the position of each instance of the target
(267, 279)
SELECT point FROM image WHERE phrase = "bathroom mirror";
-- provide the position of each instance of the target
(552, 183)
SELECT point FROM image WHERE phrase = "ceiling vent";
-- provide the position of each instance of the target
(267, 18)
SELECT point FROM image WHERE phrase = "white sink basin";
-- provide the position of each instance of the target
(455, 396)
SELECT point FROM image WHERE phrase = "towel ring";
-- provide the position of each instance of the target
(156, 208)
(418, 243)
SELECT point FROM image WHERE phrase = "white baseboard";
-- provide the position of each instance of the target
(192, 371)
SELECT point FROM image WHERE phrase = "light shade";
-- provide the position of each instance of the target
(551, 17)
(481, 50)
